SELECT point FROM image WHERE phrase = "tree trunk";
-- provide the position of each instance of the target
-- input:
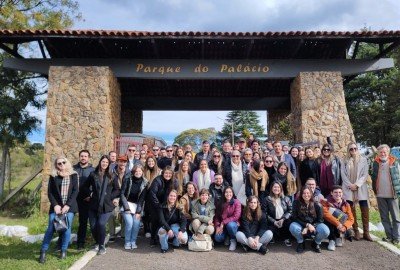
(8, 170)
(3, 168)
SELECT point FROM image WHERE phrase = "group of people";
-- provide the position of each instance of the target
(246, 193)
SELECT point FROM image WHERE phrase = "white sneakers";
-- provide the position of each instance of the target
(339, 242)
(332, 245)
(232, 245)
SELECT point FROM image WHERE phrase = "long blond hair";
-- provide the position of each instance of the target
(68, 167)
(348, 155)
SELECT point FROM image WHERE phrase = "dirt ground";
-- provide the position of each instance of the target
(355, 255)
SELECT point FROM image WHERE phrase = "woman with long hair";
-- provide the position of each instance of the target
(186, 200)
(62, 193)
(307, 217)
(203, 211)
(182, 176)
(158, 193)
(143, 157)
(253, 232)
(278, 209)
(354, 174)
(286, 178)
(329, 167)
(173, 223)
(217, 162)
(257, 180)
(227, 217)
(133, 194)
(308, 167)
(203, 177)
(179, 156)
(100, 189)
(150, 172)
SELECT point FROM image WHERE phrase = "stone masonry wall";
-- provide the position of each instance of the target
(274, 117)
(319, 109)
(132, 120)
(83, 112)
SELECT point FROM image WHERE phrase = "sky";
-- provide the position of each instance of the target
(230, 16)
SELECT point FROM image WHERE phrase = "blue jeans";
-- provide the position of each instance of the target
(132, 226)
(98, 226)
(50, 231)
(231, 229)
(321, 232)
(163, 235)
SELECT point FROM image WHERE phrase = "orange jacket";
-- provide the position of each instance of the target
(346, 208)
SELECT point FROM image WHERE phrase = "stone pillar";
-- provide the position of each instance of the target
(131, 120)
(319, 109)
(83, 112)
(273, 119)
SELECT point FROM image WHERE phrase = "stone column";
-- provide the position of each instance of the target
(83, 112)
(131, 120)
(274, 131)
(319, 109)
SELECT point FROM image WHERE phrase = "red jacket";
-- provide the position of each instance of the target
(231, 212)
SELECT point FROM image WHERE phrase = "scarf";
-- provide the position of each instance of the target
(237, 177)
(277, 160)
(326, 178)
(64, 188)
(204, 179)
(254, 177)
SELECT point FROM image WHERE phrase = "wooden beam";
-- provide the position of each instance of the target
(42, 49)
(390, 48)
(8, 50)
(23, 184)
(355, 50)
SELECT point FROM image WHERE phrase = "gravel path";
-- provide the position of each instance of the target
(355, 255)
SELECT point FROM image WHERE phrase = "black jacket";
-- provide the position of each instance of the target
(101, 195)
(54, 193)
(126, 189)
(269, 208)
(227, 173)
(308, 169)
(302, 215)
(253, 228)
(277, 177)
(175, 216)
(83, 174)
(200, 156)
(214, 193)
(164, 162)
(159, 190)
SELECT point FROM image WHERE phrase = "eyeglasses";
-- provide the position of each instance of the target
(169, 150)
(61, 163)
(353, 149)
(217, 156)
(131, 150)
(247, 154)
(235, 156)
(268, 161)
(156, 149)
(326, 149)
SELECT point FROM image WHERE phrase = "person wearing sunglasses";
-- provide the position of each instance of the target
(167, 160)
(308, 167)
(329, 166)
(270, 169)
(62, 193)
(354, 175)
(216, 164)
(132, 161)
(235, 175)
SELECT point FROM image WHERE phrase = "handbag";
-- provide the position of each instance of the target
(60, 223)
(132, 207)
(205, 244)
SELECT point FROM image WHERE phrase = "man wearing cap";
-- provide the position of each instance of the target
(205, 153)
(120, 172)
(242, 144)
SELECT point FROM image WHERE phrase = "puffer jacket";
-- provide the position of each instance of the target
(231, 211)
(344, 207)
(394, 169)
(269, 208)
(302, 215)
(159, 189)
(210, 211)
(126, 189)
(253, 228)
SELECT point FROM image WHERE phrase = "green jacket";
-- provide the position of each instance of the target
(394, 168)
(210, 211)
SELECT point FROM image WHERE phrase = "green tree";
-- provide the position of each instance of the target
(19, 92)
(373, 102)
(195, 137)
(244, 123)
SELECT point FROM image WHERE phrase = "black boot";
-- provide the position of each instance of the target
(300, 247)
(63, 255)
(42, 257)
(316, 247)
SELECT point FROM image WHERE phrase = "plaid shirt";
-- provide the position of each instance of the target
(64, 189)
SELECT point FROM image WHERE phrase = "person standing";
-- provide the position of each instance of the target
(386, 184)
(279, 156)
(100, 190)
(235, 175)
(205, 153)
(167, 160)
(354, 175)
(83, 168)
(62, 193)
(328, 170)
(132, 161)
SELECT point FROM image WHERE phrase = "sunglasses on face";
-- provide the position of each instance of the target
(169, 150)
(61, 163)
(156, 149)
(216, 156)
(353, 149)
(268, 161)
(131, 150)
(235, 156)
(326, 149)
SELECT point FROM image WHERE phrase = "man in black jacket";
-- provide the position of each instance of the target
(217, 189)
(166, 161)
(83, 168)
(205, 153)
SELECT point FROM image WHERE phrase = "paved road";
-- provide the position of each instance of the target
(356, 255)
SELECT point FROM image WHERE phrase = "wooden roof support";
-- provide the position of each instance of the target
(13, 51)
(42, 48)
(391, 47)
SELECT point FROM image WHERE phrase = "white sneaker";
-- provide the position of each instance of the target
(226, 241)
(147, 235)
(339, 242)
(331, 245)
(232, 245)
(128, 246)
(134, 246)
